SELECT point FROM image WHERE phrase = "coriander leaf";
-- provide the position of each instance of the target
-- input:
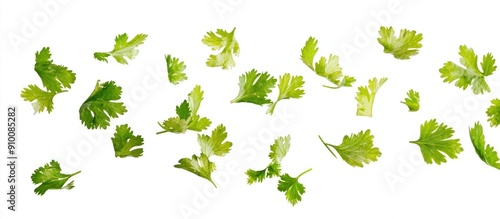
(225, 41)
(279, 149)
(49, 176)
(183, 110)
(254, 88)
(485, 153)
(175, 70)
(309, 51)
(54, 77)
(402, 47)
(174, 125)
(435, 141)
(215, 145)
(40, 99)
(101, 106)
(194, 98)
(198, 124)
(356, 149)
(493, 113)
(123, 48)
(124, 141)
(412, 101)
(272, 170)
(187, 115)
(292, 187)
(199, 165)
(366, 96)
(470, 75)
(327, 68)
(289, 87)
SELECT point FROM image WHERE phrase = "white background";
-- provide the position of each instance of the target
(270, 36)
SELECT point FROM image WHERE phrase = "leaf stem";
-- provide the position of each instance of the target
(331, 87)
(161, 132)
(271, 108)
(304, 172)
(327, 146)
(77, 172)
(212, 183)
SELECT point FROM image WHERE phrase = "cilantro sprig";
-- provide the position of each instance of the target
(254, 88)
(355, 149)
(493, 113)
(224, 41)
(366, 96)
(175, 70)
(123, 49)
(125, 143)
(49, 177)
(471, 75)
(187, 115)
(328, 68)
(292, 188)
(290, 185)
(436, 141)
(101, 105)
(55, 78)
(485, 151)
(215, 144)
(412, 101)
(402, 47)
(289, 87)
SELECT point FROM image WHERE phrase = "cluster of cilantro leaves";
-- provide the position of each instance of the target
(291, 186)
(436, 140)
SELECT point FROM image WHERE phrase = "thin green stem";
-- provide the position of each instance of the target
(304, 172)
(327, 146)
(331, 87)
(212, 183)
(79, 171)
(271, 108)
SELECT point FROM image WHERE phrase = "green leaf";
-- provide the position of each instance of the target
(366, 96)
(412, 101)
(470, 75)
(199, 165)
(123, 49)
(54, 77)
(254, 88)
(485, 152)
(175, 70)
(194, 98)
(327, 68)
(289, 87)
(101, 106)
(124, 141)
(402, 47)
(183, 110)
(292, 187)
(493, 113)
(198, 124)
(49, 176)
(215, 144)
(174, 125)
(187, 117)
(222, 40)
(356, 149)
(279, 149)
(309, 51)
(41, 100)
(272, 170)
(435, 141)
